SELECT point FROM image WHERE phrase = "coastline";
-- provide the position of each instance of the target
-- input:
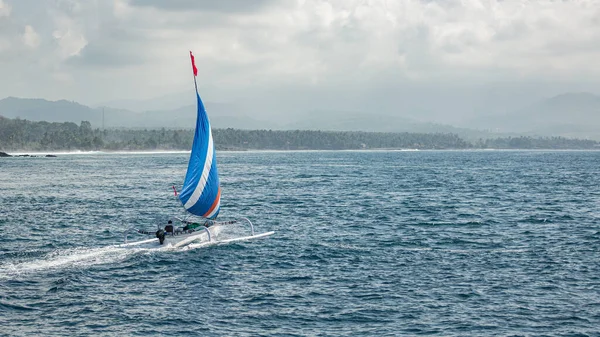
(40, 154)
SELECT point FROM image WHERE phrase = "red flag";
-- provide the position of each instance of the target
(194, 64)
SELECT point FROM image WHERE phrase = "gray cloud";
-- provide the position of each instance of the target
(117, 47)
(99, 56)
(223, 6)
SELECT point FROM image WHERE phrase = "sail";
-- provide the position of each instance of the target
(201, 193)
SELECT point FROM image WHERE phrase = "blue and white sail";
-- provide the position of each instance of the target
(201, 193)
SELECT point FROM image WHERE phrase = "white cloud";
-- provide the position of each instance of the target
(4, 9)
(68, 34)
(30, 37)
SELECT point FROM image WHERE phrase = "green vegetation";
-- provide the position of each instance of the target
(24, 135)
(18, 134)
(537, 143)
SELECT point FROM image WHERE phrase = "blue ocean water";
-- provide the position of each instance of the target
(452, 243)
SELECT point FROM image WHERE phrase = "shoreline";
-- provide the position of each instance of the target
(25, 154)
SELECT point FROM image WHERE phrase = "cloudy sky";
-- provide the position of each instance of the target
(440, 58)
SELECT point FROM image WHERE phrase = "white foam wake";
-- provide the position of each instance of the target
(66, 258)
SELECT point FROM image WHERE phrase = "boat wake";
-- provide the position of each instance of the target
(83, 257)
(65, 259)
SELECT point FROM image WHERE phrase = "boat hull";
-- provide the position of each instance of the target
(191, 241)
(177, 240)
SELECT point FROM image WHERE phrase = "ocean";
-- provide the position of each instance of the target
(371, 243)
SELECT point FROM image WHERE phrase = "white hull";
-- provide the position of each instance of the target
(194, 240)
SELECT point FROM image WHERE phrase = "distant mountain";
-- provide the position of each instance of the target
(568, 115)
(221, 115)
(357, 121)
(51, 111)
(347, 121)
(166, 102)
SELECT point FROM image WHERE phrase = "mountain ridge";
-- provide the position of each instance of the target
(567, 114)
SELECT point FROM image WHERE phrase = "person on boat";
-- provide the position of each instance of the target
(160, 233)
(169, 227)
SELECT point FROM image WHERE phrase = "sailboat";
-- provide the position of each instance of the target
(200, 194)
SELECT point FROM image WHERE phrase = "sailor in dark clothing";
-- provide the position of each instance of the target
(169, 227)
(160, 234)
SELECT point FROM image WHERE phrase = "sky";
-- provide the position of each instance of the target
(439, 60)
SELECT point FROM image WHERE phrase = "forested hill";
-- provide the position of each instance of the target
(23, 135)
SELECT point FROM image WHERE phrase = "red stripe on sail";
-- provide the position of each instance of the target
(215, 203)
